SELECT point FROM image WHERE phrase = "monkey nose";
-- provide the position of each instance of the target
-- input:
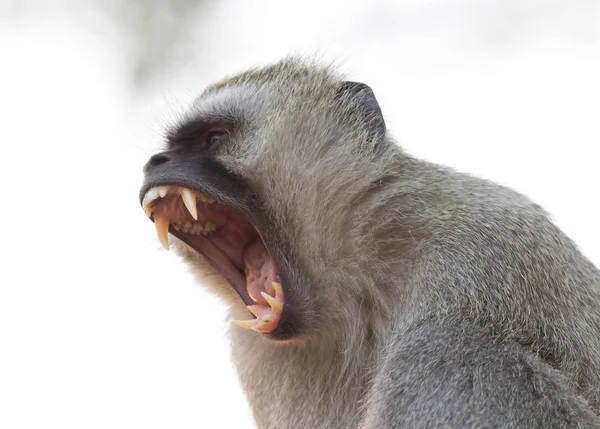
(157, 159)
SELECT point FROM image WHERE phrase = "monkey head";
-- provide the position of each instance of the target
(260, 188)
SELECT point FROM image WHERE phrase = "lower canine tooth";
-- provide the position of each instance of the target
(275, 304)
(248, 324)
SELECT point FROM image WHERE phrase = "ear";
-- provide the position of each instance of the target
(366, 106)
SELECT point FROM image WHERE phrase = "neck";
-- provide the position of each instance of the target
(302, 385)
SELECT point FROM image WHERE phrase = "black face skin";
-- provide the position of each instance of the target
(191, 163)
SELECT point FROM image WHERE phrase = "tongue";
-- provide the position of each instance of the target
(260, 271)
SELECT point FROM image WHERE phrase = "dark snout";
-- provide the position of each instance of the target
(199, 172)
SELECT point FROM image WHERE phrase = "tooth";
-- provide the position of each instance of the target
(150, 196)
(205, 198)
(253, 298)
(278, 289)
(162, 230)
(176, 226)
(254, 309)
(196, 229)
(162, 191)
(248, 324)
(262, 324)
(189, 199)
(275, 305)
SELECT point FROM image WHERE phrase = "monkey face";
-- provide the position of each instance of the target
(257, 185)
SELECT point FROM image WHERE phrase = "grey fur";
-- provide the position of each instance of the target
(427, 298)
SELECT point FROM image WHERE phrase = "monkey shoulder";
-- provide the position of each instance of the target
(456, 376)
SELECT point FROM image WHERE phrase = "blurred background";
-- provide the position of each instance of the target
(100, 327)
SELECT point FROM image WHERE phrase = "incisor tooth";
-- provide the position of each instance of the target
(162, 230)
(162, 191)
(248, 324)
(189, 199)
(150, 196)
(275, 305)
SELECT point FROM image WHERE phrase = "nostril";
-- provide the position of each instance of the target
(159, 158)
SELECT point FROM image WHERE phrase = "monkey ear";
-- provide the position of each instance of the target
(367, 106)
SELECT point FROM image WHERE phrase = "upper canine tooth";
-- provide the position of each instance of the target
(162, 230)
(189, 199)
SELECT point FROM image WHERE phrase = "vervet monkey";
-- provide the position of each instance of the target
(371, 289)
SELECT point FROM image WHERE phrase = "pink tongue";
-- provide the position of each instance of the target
(260, 271)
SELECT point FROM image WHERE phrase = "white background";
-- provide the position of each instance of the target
(100, 327)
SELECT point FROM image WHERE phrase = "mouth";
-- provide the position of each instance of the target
(228, 241)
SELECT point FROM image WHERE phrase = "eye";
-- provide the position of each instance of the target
(217, 137)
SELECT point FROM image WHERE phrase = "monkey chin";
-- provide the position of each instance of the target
(228, 242)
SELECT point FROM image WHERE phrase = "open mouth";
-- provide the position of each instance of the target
(228, 241)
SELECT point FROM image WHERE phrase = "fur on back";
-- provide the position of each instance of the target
(388, 243)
